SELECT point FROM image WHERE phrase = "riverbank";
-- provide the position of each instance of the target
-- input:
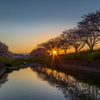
(93, 67)
(85, 60)
(2, 69)
(79, 68)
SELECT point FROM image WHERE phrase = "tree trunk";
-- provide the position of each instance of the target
(91, 48)
(76, 50)
(65, 51)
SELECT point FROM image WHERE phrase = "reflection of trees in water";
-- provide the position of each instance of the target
(70, 87)
(3, 79)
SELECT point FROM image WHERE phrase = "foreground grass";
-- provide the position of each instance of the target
(8, 62)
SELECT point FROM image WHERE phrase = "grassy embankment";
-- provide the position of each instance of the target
(89, 55)
(12, 63)
(83, 55)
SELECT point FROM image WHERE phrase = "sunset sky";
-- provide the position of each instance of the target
(26, 23)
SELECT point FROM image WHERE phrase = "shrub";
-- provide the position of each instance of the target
(94, 55)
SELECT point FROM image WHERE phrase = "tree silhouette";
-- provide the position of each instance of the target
(74, 39)
(38, 52)
(3, 49)
(90, 28)
(65, 41)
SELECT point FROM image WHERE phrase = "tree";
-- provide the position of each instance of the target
(9, 54)
(65, 42)
(52, 45)
(74, 39)
(3, 49)
(38, 52)
(46, 45)
(58, 45)
(90, 28)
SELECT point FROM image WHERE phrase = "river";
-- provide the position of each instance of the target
(41, 83)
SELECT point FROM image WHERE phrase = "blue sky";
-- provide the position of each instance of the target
(24, 23)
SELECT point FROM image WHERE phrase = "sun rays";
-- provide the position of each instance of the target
(55, 59)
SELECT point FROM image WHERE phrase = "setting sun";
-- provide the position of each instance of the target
(54, 52)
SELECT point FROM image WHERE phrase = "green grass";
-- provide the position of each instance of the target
(89, 55)
(8, 62)
(39, 59)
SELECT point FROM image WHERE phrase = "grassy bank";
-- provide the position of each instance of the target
(89, 55)
(8, 62)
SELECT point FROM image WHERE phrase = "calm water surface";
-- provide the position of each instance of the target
(41, 83)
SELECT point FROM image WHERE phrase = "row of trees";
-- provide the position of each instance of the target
(86, 32)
